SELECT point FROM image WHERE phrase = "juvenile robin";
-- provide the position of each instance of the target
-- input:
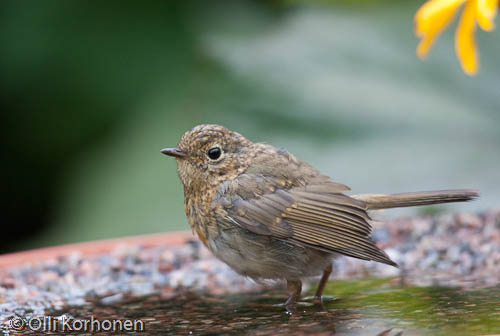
(269, 215)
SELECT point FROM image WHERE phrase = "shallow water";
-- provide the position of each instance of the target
(363, 307)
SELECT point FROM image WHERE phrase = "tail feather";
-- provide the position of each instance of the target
(416, 198)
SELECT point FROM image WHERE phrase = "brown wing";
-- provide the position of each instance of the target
(316, 215)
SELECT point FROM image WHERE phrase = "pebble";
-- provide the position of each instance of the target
(454, 250)
(109, 300)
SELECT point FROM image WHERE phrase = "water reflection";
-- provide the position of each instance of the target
(365, 307)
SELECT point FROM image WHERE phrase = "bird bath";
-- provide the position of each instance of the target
(447, 283)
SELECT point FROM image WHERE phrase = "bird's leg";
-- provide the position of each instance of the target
(294, 290)
(322, 283)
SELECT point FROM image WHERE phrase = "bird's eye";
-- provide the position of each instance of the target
(214, 153)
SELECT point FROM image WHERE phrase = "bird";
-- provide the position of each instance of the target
(270, 215)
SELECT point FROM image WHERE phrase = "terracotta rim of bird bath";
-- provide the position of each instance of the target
(94, 247)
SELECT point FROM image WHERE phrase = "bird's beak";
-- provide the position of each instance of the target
(175, 152)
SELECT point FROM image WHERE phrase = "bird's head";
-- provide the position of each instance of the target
(209, 155)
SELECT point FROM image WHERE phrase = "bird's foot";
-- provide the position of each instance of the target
(318, 299)
(298, 304)
(292, 307)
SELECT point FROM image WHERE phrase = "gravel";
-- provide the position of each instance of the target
(452, 250)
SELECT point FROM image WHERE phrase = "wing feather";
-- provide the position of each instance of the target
(317, 215)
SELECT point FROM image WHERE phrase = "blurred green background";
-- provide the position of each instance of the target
(92, 90)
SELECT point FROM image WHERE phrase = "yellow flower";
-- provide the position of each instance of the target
(435, 15)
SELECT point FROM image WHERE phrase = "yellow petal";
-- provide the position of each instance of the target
(435, 15)
(424, 46)
(432, 18)
(465, 44)
(486, 11)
